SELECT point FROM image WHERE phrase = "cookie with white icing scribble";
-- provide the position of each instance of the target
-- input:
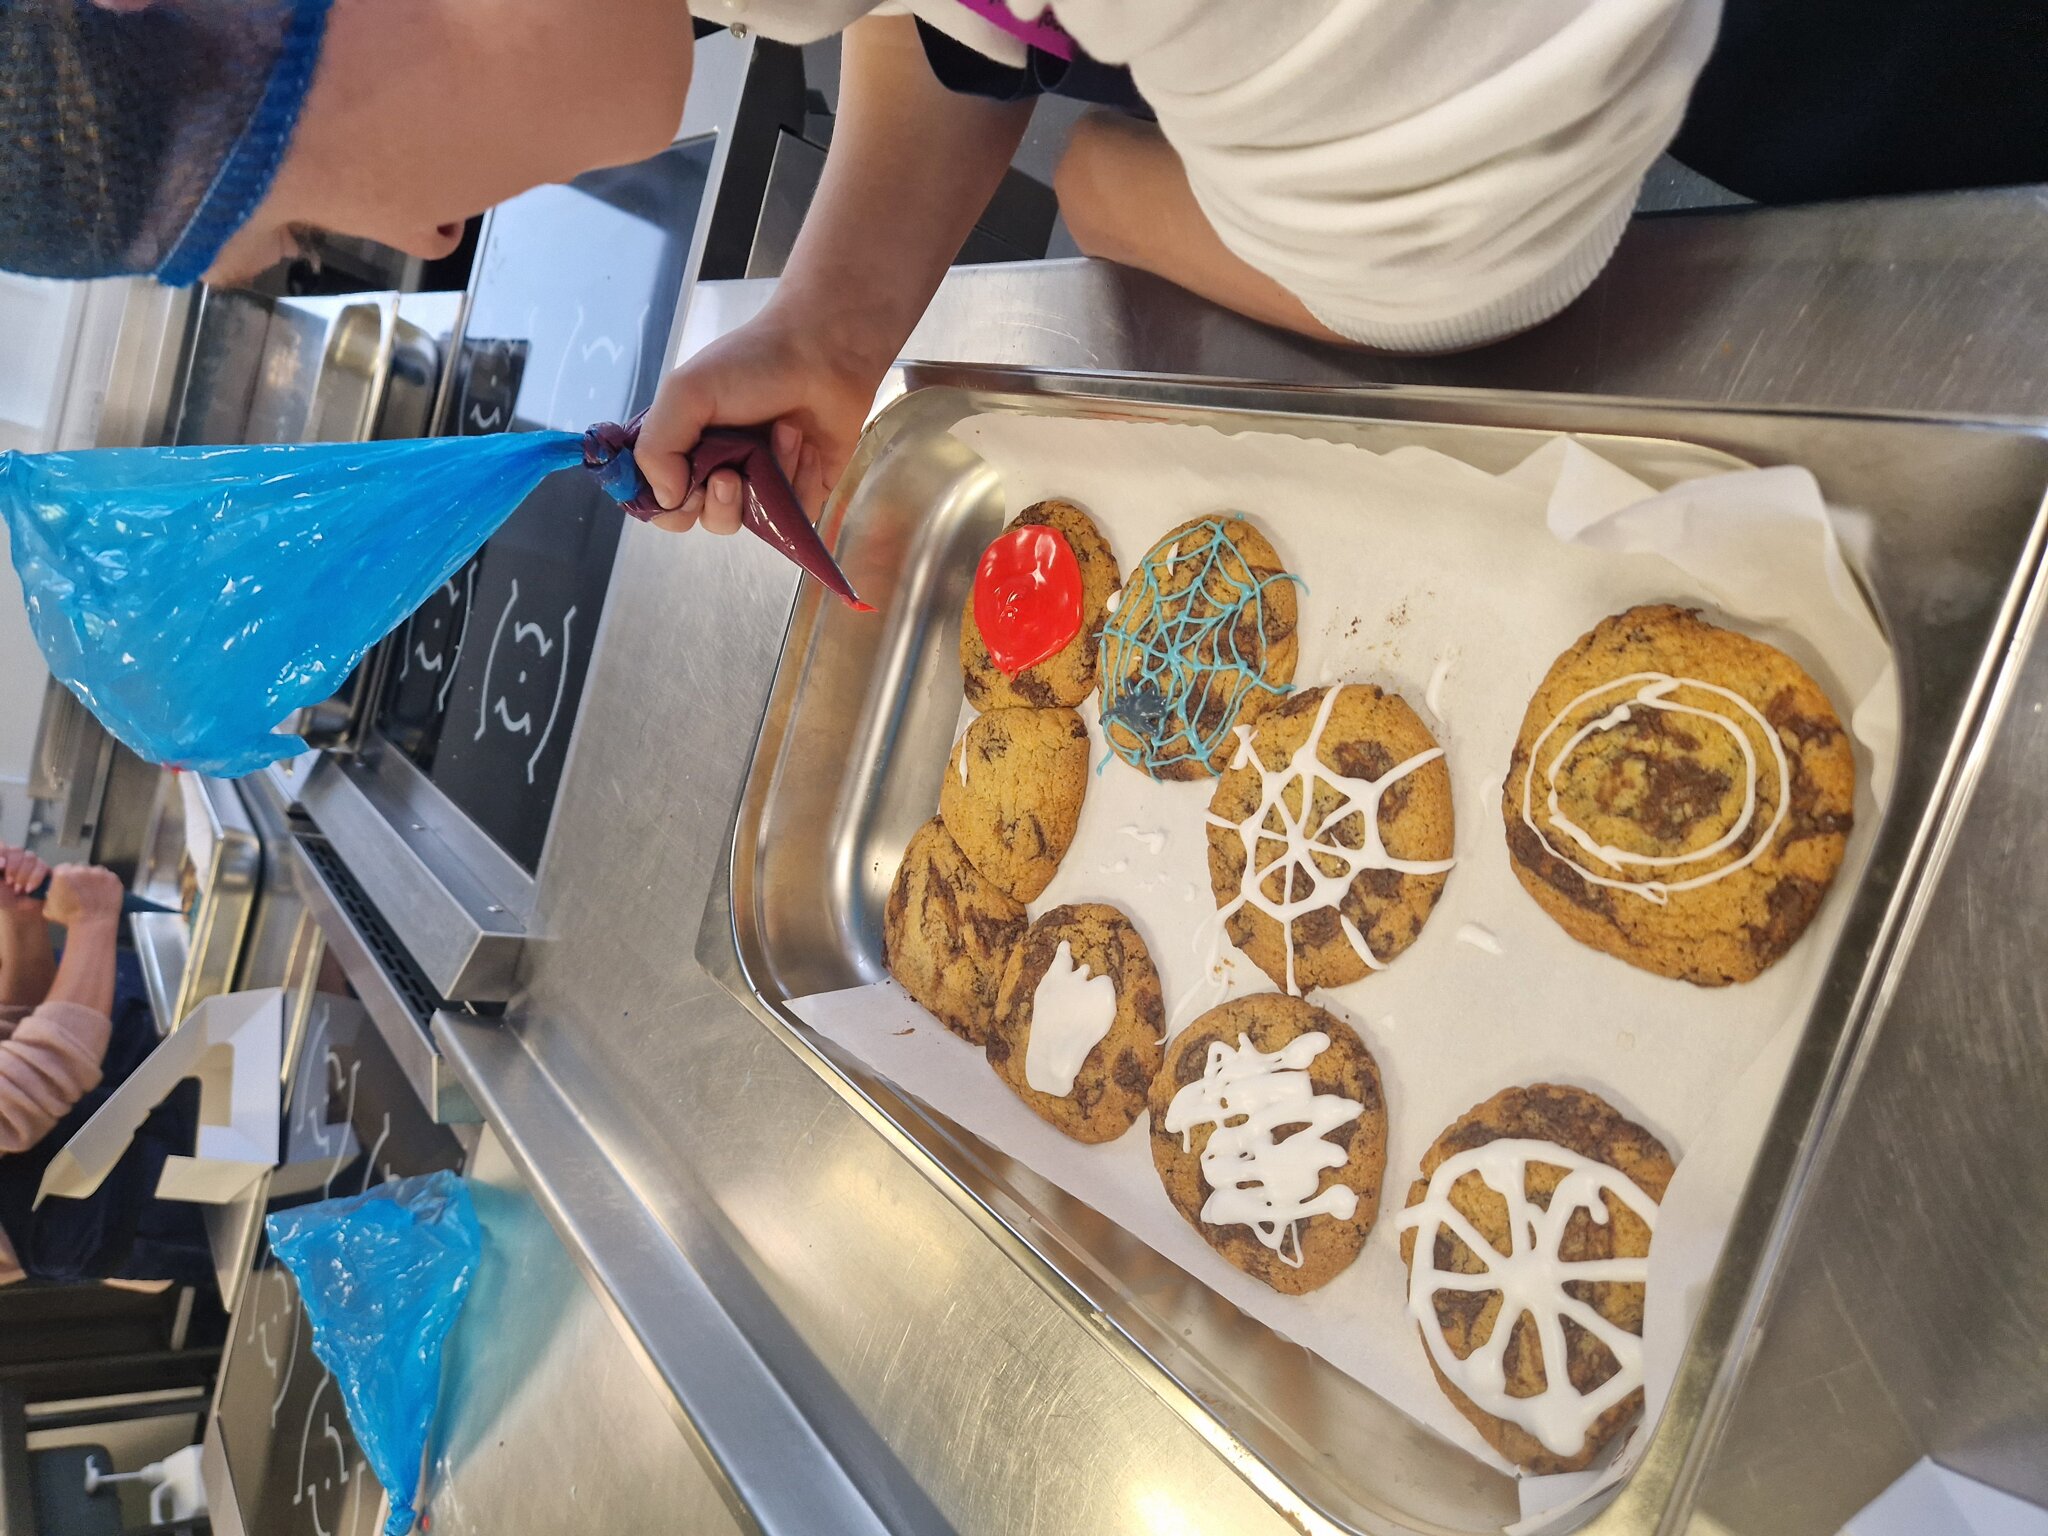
(1269, 1131)
(1679, 796)
(1540, 1203)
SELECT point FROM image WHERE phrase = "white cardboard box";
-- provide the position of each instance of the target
(233, 1045)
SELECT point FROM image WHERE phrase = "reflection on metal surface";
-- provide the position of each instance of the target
(281, 1459)
(547, 1422)
(741, 1409)
(201, 857)
(815, 850)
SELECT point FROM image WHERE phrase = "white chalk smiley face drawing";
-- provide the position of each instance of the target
(435, 634)
(524, 679)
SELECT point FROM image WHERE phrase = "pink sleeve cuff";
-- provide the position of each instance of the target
(47, 1065)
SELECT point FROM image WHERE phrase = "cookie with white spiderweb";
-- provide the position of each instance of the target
(1536, 1209)
(1202, 639)
(1330, 836)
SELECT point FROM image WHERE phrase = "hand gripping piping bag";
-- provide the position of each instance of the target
(382, 1276)
(193, 598)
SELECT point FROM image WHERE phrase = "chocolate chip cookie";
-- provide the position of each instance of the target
(1297, 1174)
(1012, 794)
(1680, 796)
(1080, 1023)
(947, 933)
(1572, 1121)
(1068, 675)
(1201, 640)
(1322, 903)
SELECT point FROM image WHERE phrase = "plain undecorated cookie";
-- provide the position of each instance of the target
(1012, 794)
(1068, 675)
(1579, 1121)
(1269, 1021)
(1110, 1088)
(1367, 735)
(1667, 784)
(947, 933)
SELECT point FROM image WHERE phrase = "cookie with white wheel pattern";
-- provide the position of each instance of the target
(1587, 1183)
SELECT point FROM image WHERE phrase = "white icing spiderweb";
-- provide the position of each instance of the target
(1531, 1281)
(1293, 850)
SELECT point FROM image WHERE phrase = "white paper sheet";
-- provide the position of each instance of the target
(1438, 581)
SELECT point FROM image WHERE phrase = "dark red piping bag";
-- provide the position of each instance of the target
(768, 505)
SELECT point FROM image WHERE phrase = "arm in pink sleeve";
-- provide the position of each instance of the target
(48, 1062)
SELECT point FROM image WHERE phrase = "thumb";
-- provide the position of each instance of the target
(683, 407)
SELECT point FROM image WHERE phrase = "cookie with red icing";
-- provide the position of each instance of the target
(1067, 676)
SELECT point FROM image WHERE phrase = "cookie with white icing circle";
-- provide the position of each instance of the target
(1068, 675)
(1679, 796)
(1012, 794)
(1536, 1210)
(1202, 640)
(1330, 836)
(1269, 1131)
(947, 933)
(1080, 1023)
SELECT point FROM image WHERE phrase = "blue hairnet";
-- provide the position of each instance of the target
(137, 141)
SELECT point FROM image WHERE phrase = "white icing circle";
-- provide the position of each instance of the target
(1655, 693)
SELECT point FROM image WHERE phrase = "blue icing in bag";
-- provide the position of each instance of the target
(193, 598)
(383, 1276)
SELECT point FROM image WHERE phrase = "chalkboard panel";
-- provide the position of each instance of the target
(505, 734)
(574, 296)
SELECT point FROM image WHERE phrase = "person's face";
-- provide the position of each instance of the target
(423, 113)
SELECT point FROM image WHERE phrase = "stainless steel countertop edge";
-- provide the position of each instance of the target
(776, 1471)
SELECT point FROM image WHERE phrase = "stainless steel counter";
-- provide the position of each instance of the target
(548, 1418)
(949, 1389)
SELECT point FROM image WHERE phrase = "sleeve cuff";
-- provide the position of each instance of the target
(1529, 305)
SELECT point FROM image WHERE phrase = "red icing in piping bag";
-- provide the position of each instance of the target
(769, 508)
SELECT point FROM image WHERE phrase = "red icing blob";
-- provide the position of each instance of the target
(1027, 597)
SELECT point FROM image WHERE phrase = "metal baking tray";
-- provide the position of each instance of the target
(854, 744)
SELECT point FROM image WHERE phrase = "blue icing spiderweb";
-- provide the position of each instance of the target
(1168, 660)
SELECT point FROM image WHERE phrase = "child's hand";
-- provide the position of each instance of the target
(83, 893)
(778, 367)
(21, 874)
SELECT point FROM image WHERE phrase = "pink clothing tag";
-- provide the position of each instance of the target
(1044, 34)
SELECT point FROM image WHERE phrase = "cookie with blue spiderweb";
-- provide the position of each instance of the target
(1202, 640)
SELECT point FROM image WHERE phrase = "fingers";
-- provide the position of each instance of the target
(681, 410)
(22, 871)
(809, 482)
(684, 518)
(722, 503)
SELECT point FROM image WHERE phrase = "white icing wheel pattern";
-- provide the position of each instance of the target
(1306, 848)
(1255, 1179)
(1655, 692)
(1530, 1280)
